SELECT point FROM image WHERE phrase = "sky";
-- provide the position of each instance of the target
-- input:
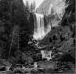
(38, 2)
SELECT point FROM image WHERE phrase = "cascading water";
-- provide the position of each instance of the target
(40, 30)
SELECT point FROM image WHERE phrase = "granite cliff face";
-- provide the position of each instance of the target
(43, 8)
(47, 6)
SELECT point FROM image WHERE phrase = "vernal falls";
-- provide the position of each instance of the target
(40, 31)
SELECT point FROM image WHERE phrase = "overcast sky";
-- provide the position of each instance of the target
(38, 2)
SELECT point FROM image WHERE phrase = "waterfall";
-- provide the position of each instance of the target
(55, 14)
(40, 31)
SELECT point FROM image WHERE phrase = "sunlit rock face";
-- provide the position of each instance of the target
(46, 7)
(40, 31)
